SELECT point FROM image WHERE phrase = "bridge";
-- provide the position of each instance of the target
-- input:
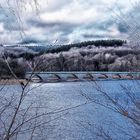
(80, 76)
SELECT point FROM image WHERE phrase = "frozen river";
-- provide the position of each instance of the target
(79, 110)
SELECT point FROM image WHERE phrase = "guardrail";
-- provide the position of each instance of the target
(80, 75)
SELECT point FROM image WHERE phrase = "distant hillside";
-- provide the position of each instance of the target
(101, 55)
(31, 49)
(91, 58)
(97, 43)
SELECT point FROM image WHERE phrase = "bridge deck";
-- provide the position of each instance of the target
(82, 72)
(81, 75)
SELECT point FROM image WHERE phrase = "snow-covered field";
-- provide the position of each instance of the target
(74, 112)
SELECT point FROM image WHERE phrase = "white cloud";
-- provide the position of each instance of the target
(1, 28)
(92, 17)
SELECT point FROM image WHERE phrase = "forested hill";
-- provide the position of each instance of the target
(97, 43)
(103, 55)
(29, 51)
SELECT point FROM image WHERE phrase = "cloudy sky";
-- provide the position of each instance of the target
(61, 21)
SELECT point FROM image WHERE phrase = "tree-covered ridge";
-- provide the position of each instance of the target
(97, 43)
(29, 52)
(110, 56)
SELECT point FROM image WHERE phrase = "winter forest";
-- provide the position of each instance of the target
(69, 70)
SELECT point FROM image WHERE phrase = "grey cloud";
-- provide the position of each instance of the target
(28, 40)
(100, 25)
(56, 25)
(130, 19)
(9, 20)
(63, 28)
(122, 28)
(57, 5)
(93, 36)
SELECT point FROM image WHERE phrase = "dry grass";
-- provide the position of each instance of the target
(12, 81)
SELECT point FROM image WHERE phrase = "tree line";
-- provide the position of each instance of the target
(97, 43)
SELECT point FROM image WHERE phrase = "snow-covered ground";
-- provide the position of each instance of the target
(74, 113)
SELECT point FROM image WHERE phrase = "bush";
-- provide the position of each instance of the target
(17, 69)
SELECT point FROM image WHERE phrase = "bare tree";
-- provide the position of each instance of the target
(127, 105)
(129, 21)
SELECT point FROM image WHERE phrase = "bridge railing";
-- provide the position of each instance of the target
(82, 75)
(82, 72)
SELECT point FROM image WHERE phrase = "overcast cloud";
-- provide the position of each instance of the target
(66, 21)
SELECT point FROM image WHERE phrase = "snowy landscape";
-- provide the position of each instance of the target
(69, 70)
(123, 58)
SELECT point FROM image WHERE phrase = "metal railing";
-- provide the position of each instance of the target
(82, 75)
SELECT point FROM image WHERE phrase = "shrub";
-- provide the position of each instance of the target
(17, 69)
